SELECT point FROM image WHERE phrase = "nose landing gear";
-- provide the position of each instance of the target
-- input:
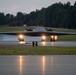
(34, 43)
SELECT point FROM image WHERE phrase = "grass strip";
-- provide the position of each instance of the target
(38, 50)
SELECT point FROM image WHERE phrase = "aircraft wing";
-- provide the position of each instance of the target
(32, 33)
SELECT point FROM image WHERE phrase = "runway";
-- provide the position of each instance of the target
(38, 65)
(13, 41)
(57, 43)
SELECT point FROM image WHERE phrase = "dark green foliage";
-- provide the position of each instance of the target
(57, 15)
(2, 19)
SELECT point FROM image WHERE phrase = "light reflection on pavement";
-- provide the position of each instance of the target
(57, 43)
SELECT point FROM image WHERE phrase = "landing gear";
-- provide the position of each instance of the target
(34, 43)
(52, 40)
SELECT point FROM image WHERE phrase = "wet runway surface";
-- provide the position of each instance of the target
(10, 40)
(57, 43)
(38, 65)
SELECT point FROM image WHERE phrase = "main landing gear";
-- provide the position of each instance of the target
(34, 43)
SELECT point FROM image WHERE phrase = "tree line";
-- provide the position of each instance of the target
(57, 15)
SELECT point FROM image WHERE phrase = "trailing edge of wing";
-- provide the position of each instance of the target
(31, 33)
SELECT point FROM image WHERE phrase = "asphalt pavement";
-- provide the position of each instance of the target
(57, 43)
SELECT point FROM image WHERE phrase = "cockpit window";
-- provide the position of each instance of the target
(39, 29)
